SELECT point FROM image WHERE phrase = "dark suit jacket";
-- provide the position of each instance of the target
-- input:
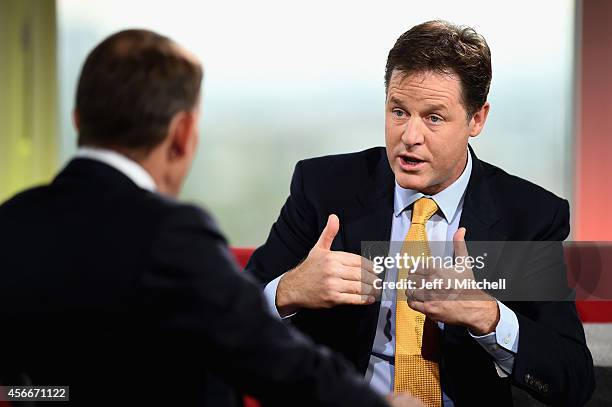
(553, 362)
(134, 299)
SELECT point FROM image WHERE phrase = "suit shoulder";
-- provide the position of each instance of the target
(342, 163)
(530, 211)
(29, 198)
(336, 175)
(178, 215)
(25, 195)
(519, 188)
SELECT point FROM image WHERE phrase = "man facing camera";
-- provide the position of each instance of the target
(112, 287)
(427, 185)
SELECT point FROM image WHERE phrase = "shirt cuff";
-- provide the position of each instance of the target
(507, 329)
(502, 344)
(270, 297)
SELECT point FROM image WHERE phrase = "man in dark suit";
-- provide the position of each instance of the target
(110, 286)
(428, 183)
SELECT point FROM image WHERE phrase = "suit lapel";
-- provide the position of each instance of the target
(369, 220)
(371, 216)
(479, 215)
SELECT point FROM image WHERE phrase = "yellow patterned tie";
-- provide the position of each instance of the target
(416, 366)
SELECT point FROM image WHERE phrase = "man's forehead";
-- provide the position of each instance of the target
(427, 84)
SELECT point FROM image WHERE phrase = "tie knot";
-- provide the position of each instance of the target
(423, 209)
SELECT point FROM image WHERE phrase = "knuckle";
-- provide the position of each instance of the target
(327, 297)
(328, 268)
(329, 285)
(429, 307)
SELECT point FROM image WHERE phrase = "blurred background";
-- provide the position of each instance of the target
(290, 80)
(285, 81)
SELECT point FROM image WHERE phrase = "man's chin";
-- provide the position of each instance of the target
(416, 182)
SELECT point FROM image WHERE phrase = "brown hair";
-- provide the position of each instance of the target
(442, 47)
(131, 86)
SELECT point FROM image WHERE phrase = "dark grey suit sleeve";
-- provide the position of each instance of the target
(221, 315)
(553, 362)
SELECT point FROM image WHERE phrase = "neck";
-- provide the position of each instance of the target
(153, 162)
(164, 182)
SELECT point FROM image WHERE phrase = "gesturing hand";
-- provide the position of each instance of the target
(472, 308)
(327, 278)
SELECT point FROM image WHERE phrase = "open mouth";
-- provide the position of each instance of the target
(410, 161)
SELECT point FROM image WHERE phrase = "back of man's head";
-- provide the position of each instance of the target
(131, 86)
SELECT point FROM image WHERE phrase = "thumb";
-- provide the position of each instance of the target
(329, 233)
(459, 243)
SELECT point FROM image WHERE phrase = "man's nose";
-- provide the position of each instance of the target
(413, 133)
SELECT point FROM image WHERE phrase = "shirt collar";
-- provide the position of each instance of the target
(448, 200)
(121, 163)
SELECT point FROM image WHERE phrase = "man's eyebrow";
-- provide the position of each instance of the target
(430, 107)
(435, 106)
(394, 100)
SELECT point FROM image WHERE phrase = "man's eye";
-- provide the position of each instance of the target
(435, 119)
(398, 112)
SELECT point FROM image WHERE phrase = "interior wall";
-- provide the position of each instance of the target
(28, 103)
(593, 200)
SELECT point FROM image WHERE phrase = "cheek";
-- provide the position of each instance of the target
(447, 153)
(440, 152)
(393, 133)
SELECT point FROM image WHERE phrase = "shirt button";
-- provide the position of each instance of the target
(506, 340)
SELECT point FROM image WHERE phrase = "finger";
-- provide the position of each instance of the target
(357, 274)
(459, 243)
(367, 265)
(419, 280)
(369, 278)
(417, 306)
(354, 260)
(355, 299)
(356, 287)
(349, 259)
(329, 233)
(404, 400)
(418, 295)
(419, 271)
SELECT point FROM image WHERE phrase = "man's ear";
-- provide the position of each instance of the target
(180, 134)
(477, 121)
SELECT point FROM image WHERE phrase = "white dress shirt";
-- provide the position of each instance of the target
(121, 163)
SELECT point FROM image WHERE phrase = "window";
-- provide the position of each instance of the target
(288, 80)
